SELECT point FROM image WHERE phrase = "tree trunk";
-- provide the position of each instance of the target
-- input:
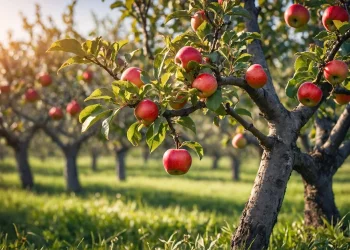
(120, 157)
(216, 158)
(260, 213)
(235, 164)
(25, 173)
(71, 169)
(94, 157)
(319, 204)
(145, 154)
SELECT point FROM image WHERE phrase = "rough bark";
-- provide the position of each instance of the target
(120, 158)
(320, 204)
(261, 211)
(24, 170)
(235, 165)
(71, 170)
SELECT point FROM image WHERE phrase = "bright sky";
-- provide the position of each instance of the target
(10, 9)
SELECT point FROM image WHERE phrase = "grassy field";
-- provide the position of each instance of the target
(144, 211)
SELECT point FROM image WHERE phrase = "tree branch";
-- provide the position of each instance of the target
(185, 111)
(338, 132)
(264, 140)
(304, 113)
(306, 166)
(266, 97)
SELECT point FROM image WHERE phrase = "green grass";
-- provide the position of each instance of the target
(149, 206)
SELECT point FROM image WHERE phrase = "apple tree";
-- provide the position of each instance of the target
(209, 68)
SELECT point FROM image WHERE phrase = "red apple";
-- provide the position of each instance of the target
(177, 161)
(220, 1)
(239, 141)
(88, 75)
(45, 79)
(179, 103)
(342, 99)
(5, 88)
(73, 108)
(197, 19)
(206, 84)
(296, 16)
(309, 94)
(56, 113)
(132, 75)
(335, 71)
(31, 95)
(187, 54)
(334, 13)
(256, 76)
(146, 112)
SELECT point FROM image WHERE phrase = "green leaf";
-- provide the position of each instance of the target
(245, 57)
(164, 79)
(116, 4)
(178, 14)
(130, 55)
(87, 111)
(241, 111)
(300, 64)
(187, 122)
(341, 26)
(215, 100)
(73, 60)
(239, 11)
(155, 140)
(204, 30)
(68, 45)
(133, 134)
(128, 4)
(102, 93)
(194, 146)
(107, 123)
(94, 117)
(308, 55)
(145, 77)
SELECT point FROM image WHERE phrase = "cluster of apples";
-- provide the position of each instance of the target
(31, 95)
(335, 71)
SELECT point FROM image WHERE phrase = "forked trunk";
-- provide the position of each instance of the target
(23, 167)
(261, 211)
(320, 204)
(120, 157)
(71, 169)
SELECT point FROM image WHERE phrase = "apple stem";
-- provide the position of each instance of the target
(173, 132)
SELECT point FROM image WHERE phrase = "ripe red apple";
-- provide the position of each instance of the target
(342, 99)
(296, 16)
(334, 13)
(197, 19)
(239, 141)
(220, 1)
(179, 103)
(56, 113)
(177, 161)
(335, 71)
(309, 94)
(5, 88)
(187, 54)
(146, 112)
(132, 75)
(88, 75)
(256, 76)
(45, 79)
(31, 95)
(206, 84)
(73, 108)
